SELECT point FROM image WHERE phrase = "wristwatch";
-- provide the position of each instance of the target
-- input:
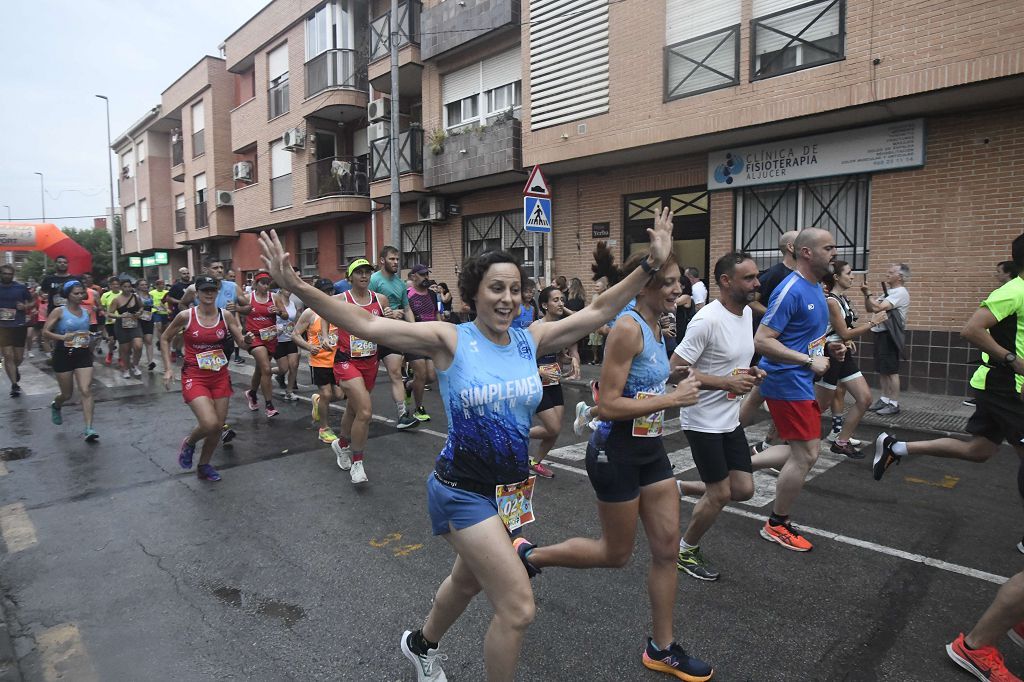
(646, 266)
(809, 361)
(1009, 358)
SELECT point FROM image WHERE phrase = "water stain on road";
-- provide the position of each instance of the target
(15, 453)
(289, 614)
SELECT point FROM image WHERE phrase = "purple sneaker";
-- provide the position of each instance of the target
(205, 472)
(185, 454)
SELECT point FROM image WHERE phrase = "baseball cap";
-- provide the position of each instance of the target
(358, 263)
(205, 283)
(419, 269)
(325, 285)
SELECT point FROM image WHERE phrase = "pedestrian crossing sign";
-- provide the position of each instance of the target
(537, 214)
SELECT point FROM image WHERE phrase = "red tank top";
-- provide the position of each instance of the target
(260, 316)
(353, 346)
(205, 341)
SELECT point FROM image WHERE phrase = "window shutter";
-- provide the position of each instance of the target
(201, 182)
(280, 159)
(685, 19)
(198, 117)
(794, 22)
(277, 62)
(460, 84)
(502, 69)
(308, 239)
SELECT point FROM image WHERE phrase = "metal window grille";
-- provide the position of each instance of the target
(415, 244)
(500, 231)
(702, 64)
(797, 38)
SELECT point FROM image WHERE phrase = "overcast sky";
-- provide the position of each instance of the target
(56, 56)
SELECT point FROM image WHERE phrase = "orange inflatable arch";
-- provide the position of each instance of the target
(49, 239)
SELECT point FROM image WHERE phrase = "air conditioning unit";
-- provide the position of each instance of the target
(204, 248)
(242, 171)
(293, 139)
(225, 198)
(376, 131)
(431, 209)
(378, 109)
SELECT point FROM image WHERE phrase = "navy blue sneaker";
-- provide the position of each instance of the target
(185, 454)
(676, 662)
(524, 547)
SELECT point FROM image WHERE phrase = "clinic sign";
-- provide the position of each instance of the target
(15, 235)
(890, 146)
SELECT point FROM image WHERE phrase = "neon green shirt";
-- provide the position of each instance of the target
(1007, 305)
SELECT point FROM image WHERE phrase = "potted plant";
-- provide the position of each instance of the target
(436, 140)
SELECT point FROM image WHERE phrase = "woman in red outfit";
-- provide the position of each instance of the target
(261, 332)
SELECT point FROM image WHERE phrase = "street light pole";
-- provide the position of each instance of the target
(110, 173)
(42, 194)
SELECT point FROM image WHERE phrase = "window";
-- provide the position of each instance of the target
(462, 112)
(202, 218)
(308, 253)
(702, 46)
(839, 205)
(415, 244)
(131, 218)
(277, 81)
(788, 35)
(198, 126)
(143, 211)
(179, 213)
(476, 92)
(331, 58)
(127, 165)
(496, 231)
(504, 98)
(140, 150)
(351, 244)
(280, 175)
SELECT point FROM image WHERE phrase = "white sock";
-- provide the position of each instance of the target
(684, 545)
(886, 400)
(400, 404)
(899, 448)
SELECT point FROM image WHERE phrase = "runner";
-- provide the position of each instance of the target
(125, 310)
(489, 385)
(205, 381)
(15, 300)
(717, 350)
(68, 327)
(423, 301)
(161, 312)
(53, 284)
(286, 353)
(552, 404)
(112, 292)
(528, 308)
(35, 335)
(146, 321)
(355, 370)
(976, 651)
(261, 322)
(386, 281)
(320, 339)
(174, 296)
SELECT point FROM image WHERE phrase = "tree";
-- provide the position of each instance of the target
(96, 242)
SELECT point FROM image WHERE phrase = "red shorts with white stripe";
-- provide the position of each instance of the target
(203, 383)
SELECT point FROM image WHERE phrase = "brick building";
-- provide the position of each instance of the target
(898, 126)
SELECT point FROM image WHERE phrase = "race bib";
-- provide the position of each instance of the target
(146, 315)
(329, 341)
(515, 503)
(268, 333)
(212, 360)
(8, 313)
(285, 328)
(360, 348)
(161, 309)
(816, 347)
(129, 322)
(649, 426)
(737, 372)
(553, 367)
(77, 340)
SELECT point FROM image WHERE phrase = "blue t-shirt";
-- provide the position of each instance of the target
(490, 393)
(797, 310)
(342, 285)
(525, 318)
(10, 296)
(227, 293)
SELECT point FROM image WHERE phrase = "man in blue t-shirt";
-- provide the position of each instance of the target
(791, 339)
(387, 281)
(15, 299)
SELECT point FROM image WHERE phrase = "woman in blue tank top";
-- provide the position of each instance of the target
(68, 327)
(480, 488)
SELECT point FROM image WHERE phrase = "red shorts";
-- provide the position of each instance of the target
(796, 419)
(270, 345)
(197, 383)
(353, 369)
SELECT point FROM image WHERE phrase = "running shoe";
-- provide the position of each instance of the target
(32, 355)
(1016, 634)
(834, 433)
(523, 548)
(280, 380)
(691, 561)
(676, 662)
(847, 449)
(594, 390)
(90, 435)
(970, 402)
(227, 434)
(136, 372)
(343, 455)
(106, 361)
(580, 422)
(326, 435)
(151, 366)
(15, 390)
(239, 360)
(55, 414)
(786, 536)
(316, 408)
(271, 410)
(290, 397)
(357, 473)
(407, 421)
(421, 415)
(428, 665)
(1020, 546)
(250, 397)
(185, 454)
(884, 456)
(985, 663)
(877, 405)
(205, 472)
(541, 470)
(126, 374)
(889, 410)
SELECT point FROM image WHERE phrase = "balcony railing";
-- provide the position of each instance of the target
(410, 154)
(179, 220)
(338, 176)
(202, 220)
(336, 69)
(408, 30)
(281, 191)
(177, 152)
(198, 143)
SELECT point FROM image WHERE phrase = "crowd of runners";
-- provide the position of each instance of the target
(785, 337)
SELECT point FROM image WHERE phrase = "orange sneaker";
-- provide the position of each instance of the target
(985, 663)
(1016, 634)
(786, 536)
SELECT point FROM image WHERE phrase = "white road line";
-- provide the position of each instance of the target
(63, 654)
(17, 530)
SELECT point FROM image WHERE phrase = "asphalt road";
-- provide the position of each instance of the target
(116, 566)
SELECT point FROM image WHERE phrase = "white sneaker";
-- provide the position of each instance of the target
(136, 372)
(428, 667)
(343, 455)
(31, 354)
(831, 438)
(580, 422)
(357, 473)
(126, 374)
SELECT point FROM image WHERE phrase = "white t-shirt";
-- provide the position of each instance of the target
(700, 293)
(900, 299)
(716, 343)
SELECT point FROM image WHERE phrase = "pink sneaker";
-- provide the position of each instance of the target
(250, 397)
(541, 470)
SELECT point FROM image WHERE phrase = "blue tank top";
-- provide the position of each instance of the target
(490, 393)
(68, 322)
(227, 293)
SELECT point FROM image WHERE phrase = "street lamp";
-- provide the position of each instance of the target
(110, 173)
(42, 194)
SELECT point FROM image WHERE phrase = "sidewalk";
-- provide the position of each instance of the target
(941, 415)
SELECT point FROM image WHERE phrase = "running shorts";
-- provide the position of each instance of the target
(257, 342)
(13, 336)
(125, 335)
(552, 397)
(619, 480)
(887, 355)
(159, 318)
(147, 327)
(997, 418)
(839, 372)
(455, 508)
(346, 370)
(384, 351)
(322, 376)
(70, 359)
(202, 383)
(284, 349)
(796, 419)
(716, 454)
(411, 357)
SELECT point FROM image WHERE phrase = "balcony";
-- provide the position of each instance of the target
(450, 25)
(337, 176)
(202, 219)
(476, 157)
(335, 69)
(410, 155)
(179, 220)
(408, 30)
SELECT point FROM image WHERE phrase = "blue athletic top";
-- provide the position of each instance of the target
(490, 393)
(227, 293)
(68, 322)
(797, 310)
(10, 296)
(525, 317)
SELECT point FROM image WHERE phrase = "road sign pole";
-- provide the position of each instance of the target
(536, 257)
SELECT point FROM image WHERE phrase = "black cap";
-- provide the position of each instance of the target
(325, 285)
(205, 282)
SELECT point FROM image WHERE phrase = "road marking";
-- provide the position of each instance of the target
(64, 656)
(948, 482)
(18, 532)
(3, 469)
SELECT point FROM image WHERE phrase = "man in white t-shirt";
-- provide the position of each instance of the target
(889, 343)
(717, 348)
(699, 292)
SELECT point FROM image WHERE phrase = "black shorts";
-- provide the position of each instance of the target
(126, 335)
(323, 376)
(284, 349)
(838, 372)
(997, 418)
(716, 454)
(13, 336)
(618, 479)
(410, 357)
(552, 398)
(384, 351)
(94, 327)
(887, 355)
(147, 327)
(70, 359)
